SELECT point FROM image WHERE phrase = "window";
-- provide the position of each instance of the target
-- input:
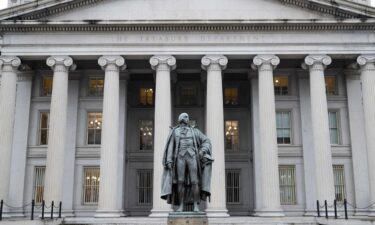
(330, 85)
(47, 82)
(287, 180)
(233, 187)
(43, 128)
(96, 86)
(231, 135)
(146, 96)
(283, 127)
(281, 85)
(333, 127)
(231, 96)
(188, 95)
(146, 133)
(339, 181)
(38, 186)
(94, 128)
(144, 187)
(91, 176)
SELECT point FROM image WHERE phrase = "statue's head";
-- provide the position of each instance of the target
(183, 118)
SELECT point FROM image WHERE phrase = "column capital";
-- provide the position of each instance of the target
(61, 63)
(112, 62)
(9, 63)
(265, 62)
(316, 62)
(366, 62)
(163, 62)
(214, 62)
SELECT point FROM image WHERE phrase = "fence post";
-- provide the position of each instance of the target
(335, 206)
(60, 207)
(43, 204)
(318, 207)
(326, 208)
(32, 209)
(1, 209)
(52, 205)
(346, 209)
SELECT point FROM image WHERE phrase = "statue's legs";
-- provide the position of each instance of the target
(181, 165)
(181, 195)
(193, 171)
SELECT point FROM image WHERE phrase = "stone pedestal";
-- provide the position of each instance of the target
(187, 218)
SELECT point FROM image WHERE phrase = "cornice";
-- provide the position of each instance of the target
(186, 26)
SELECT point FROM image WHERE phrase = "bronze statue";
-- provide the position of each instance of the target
(187, 165)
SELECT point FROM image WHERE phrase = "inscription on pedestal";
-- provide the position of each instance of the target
(187, 218)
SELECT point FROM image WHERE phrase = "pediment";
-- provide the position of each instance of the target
(165, 10)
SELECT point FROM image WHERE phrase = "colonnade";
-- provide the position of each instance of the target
(163, 65)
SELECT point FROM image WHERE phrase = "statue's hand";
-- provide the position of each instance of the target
(169, 165)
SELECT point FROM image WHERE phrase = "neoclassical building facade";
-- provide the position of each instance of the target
(285, 90)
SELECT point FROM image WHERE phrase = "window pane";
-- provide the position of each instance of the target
(287, 185)
(233, 187)
(283, 129)
(232, 135)
(231, 96)
(38, 187)
(94, 128)
(91, 180)
(330, 85)
(43, 128)
(188, 95)
(144, 186)
(281, 85)
(96, 86)
(47, 86)
(146, 134)
(146, 96)
(339, 181)
(333, 127)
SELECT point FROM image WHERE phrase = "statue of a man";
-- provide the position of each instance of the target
(187, 165)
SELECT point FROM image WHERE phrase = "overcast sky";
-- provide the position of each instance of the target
(3, 3)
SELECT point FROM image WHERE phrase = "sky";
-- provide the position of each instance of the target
(3, 3)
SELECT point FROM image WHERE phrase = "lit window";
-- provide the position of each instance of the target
(146, 134)
(94, 128)
(146, 96)
(47, 86)
(38, 187)
(281, 85)
(188, 95)
(287, 180)
(283, 127)
(333, 127)
(231, 135)
(233, 186)
(96, 86)
(43, 128)
(144, 187)
(231, 96)
(91, 180)
(330, 85)
(339, 181)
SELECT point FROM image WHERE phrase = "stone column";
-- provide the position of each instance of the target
(8, 92)
(53, 185)
(367, 63)
(267, 134)
(214, 64)
(320, 129)
(107, 206)
(163, 65)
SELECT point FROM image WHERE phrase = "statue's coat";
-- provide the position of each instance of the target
(169, 178)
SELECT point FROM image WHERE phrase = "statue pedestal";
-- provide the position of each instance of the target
(187, 218)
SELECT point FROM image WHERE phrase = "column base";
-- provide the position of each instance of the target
(160, 213)
(361, 212)
(108, 214)
(211, 213)
(372, 213)
(270, 213)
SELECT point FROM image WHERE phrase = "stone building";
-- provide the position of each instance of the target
(285, 89)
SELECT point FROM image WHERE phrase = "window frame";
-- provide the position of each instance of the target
(150, 189)
(294, 186)
(41, 92)
(40, 127)
(234, 170)
(336, 92)
(139, 135)
(290, 111)
(238, 135)
(139, 96)
(35, 185)
(338, 128)
(88, 86)
(280, 92)
(84, 168)
(87, 128)
(344, 186)
(238, 95)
